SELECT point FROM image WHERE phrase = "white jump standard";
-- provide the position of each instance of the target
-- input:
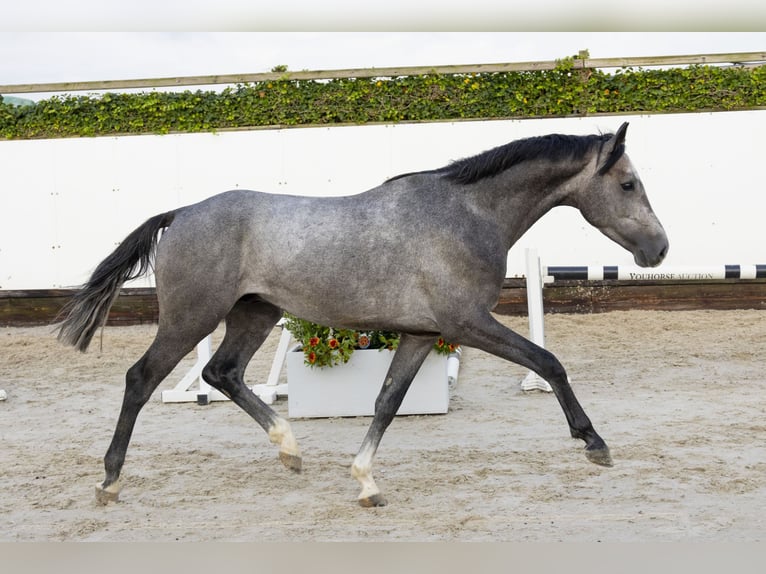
(537, 276)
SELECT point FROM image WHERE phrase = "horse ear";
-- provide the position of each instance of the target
(613, 149)
(620, 135)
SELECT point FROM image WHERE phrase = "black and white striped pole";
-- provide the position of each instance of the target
(667, 273)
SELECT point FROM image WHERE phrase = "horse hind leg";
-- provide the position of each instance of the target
(248, 325)
(170, 345)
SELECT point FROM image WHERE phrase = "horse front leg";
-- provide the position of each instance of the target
(486, 333)
(409, 356)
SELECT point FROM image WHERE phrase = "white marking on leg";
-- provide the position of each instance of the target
(281, 434)
(362, 471)
(111, 493)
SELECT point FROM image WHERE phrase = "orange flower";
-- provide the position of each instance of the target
(314, 341)
(312, 357)
(333, 343)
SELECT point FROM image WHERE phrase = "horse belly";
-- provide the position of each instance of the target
(343, 297)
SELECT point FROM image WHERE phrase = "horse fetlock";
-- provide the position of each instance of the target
(370, 495)
(588, 435)
(107, 494)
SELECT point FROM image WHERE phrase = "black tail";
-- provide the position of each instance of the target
(88, 309)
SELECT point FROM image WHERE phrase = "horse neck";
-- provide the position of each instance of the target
(522, 194)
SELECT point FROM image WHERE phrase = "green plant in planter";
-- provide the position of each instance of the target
(326, 346)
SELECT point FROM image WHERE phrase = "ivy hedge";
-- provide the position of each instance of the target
(563, 91)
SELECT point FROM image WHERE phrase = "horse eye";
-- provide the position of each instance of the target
(628, 186)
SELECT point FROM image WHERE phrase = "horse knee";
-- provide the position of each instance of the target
(390, 398)
(551, 368)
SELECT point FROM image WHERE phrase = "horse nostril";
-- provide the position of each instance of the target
(664, 251)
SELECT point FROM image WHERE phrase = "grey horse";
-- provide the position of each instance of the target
(423, 254)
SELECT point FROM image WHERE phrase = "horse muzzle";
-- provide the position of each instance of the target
(652, 253)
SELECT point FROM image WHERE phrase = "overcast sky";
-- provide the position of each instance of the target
(40, 57)
(382, 15)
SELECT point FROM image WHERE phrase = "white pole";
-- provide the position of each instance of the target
(533, 381)
(453, 366)
(204, 352)
(268, 392)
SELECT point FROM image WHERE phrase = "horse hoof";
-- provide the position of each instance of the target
(599, 456)
(373, 501)
(106, 495)
(291, 461)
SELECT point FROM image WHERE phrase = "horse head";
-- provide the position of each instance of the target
(614, 201)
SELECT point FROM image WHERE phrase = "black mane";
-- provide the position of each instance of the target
(555, 147)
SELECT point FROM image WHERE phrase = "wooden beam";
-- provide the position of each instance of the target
(603, 296)
(139, 306)
(183, 81)
(42, 307)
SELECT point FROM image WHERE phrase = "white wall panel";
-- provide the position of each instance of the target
(67, 203)
(211, 163)
(28, 222)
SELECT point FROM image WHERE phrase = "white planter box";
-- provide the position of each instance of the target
(350, 389)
